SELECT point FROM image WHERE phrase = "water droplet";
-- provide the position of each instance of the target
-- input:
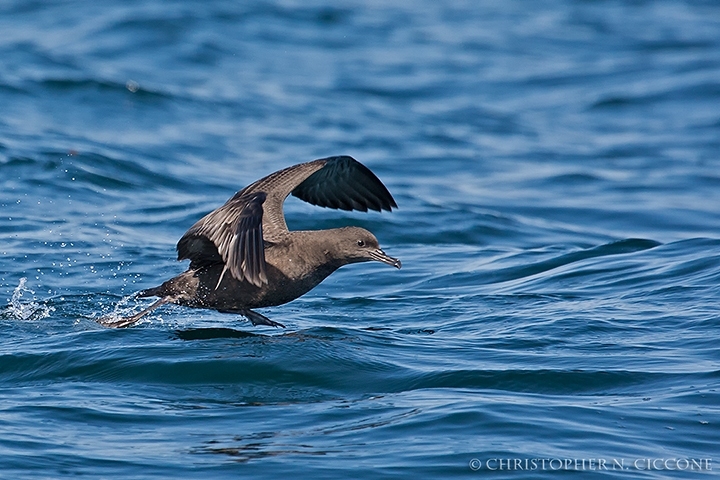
(132, 86)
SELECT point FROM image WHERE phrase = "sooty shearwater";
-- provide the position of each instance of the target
(242, 255)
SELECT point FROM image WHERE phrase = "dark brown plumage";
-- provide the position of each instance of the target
(242, 255)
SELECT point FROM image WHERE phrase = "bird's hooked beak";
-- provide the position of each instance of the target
(381, 256)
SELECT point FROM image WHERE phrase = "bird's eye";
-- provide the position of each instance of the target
(361, 243)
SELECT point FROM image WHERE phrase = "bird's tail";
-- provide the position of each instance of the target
(151, 292)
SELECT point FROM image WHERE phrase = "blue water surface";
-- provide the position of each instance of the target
(557, 168)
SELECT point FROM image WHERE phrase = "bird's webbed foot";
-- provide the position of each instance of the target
(124, 322)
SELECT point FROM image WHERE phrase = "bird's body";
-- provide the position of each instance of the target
(242, 255)
(293, 268)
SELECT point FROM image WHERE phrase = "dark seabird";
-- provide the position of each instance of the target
(242, 255)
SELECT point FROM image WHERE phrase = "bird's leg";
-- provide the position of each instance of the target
(258, 319)
(129, 321)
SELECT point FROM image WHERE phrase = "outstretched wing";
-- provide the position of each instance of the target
(333, 182)
(232, 234)
(347, 184)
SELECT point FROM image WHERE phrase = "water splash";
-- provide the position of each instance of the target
(123, 308)
(28, 310)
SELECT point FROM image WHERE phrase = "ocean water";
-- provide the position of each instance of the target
(557, 169)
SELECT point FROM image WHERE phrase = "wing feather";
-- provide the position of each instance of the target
(235, 234)
(346, 184)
